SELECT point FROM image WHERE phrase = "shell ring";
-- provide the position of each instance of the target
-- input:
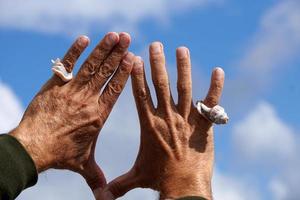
(59, 69)
(215, 114)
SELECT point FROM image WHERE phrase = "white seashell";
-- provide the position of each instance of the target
(216, 114)
(59, 69)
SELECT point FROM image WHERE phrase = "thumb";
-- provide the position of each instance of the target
(124, 183)
(94, 177)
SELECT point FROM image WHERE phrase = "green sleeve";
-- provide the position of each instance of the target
(191, 198)
(17, 169)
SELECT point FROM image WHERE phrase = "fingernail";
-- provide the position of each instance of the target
(182, 52)
(138, 61)
(219, 72)
(156, 47)
(124, 39)
(138, 65)
(83, 40)
(112, 38)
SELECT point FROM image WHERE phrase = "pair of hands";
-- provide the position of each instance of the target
(60, 126)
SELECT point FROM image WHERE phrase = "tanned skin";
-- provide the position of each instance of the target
(176, 152)
(60, 126)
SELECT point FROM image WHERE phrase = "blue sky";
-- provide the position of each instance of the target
(256, 42)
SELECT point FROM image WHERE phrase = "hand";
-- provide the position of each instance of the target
(60, 126)
(177, 149)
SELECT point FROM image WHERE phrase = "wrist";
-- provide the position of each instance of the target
(22, 134)
(186, 183)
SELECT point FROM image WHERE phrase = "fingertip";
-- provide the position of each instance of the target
(182, 52)
(83, 40)
(156, 47)
(125, 34)
(125, 39)
(216, 87)
(138, 66)
(218, 73)
(112, 38)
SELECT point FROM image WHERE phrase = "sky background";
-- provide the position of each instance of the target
(256, 42)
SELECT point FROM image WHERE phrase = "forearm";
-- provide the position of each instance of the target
(31, 145)
(183, 182)
(188, 191)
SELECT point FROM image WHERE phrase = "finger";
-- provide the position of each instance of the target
(74, 52)
(184, 82)
(69, 60)
(112, 62)
(123, 184)
(99, 54)
(216, 86)
(159, 75)
(141, 90)
(115, 86)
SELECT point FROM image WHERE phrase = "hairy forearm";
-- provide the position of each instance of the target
(22, 134)
(178, 187)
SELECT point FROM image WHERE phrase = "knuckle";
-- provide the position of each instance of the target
(216, 85)
(142, 94)
(96, 56)
(184, 88)
(75, 51)
(106, 70)
(90, 67)
(125, 68)
(115, 87)
(161, 84)
(68, 63)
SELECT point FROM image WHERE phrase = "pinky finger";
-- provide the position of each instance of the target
(216, 87)
(69, 60)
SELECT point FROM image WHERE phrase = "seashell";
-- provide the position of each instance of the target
(59, 69)
(216, 114)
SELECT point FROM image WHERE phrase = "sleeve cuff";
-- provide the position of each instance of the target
(17, 169)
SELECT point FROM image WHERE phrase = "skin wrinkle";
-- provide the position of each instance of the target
(60, 127)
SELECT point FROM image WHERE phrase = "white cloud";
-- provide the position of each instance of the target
(263, 139)
(11, 110)
(227, 187)
(58, 184)
(278, 39)
(73, 16)
(279, 189)
(263, 135)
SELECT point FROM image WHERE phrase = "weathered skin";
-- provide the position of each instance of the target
(176, 152)
(60, 126)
